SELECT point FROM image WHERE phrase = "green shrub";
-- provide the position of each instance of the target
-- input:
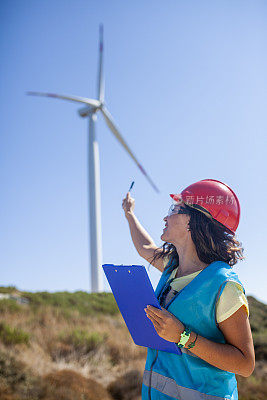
(9, 306)
(8, 289)
(9, 335)
(84, 303)
(81, 339)
(258, 315)
(17, 382)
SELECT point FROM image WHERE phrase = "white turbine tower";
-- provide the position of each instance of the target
(90, 110)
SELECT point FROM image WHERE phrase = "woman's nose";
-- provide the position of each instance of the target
(165, 219)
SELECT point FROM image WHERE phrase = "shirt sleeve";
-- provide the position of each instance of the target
(231, 299)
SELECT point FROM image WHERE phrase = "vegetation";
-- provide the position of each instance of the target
(9, 335)
(8, 289)
(9, 306)
(84, 303)
(81, 339)
(79, 348)
(258, 323)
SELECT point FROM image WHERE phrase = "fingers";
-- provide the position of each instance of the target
(127, 198)
(157, 326)
(128, 203)
(155, 312)
(154, 316)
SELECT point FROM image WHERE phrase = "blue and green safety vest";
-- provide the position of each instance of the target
(187, 377)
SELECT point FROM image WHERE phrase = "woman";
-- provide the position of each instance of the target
(204, 306)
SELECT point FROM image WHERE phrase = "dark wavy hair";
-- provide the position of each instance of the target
(213, 241)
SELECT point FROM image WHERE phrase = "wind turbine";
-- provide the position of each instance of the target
(92, 106)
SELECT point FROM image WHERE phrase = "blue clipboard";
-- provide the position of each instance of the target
(133, 291)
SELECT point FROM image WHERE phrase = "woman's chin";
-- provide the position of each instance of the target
(163, 236)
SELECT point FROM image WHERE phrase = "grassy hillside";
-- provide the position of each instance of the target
(76, 346)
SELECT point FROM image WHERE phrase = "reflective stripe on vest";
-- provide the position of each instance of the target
(169, 387)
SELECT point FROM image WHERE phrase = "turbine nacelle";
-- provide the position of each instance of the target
(91, 106)
(85, 111)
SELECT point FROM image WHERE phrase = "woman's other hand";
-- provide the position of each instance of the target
(128, 204)
(166, 324)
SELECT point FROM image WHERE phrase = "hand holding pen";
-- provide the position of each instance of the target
(128, 202)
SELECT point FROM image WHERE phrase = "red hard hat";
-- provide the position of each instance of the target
(215, 199)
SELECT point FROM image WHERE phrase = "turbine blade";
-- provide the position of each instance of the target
(101, 83)
(115, 131)
(84, 100)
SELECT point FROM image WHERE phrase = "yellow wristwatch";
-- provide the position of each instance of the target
(184, 337)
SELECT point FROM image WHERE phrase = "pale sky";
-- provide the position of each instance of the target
(186, 83)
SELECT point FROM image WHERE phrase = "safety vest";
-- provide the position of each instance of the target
(187, 376)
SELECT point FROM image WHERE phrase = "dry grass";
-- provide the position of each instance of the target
(74, 356)
(69, 385)
(251, 388)
(48, 350)
(127, 387)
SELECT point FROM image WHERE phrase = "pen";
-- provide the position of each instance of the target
(131, 186)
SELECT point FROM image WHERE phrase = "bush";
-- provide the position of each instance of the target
(70, 385)
(258, 315)
(9, 306)
(251, 388)
(84, 303)
(83, 340)
(8, 289)
(126, 387)
(17, 382)
(10, 335)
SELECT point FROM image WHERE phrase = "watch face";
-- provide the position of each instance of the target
(184, 337)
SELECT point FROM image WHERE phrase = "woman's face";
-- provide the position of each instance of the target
(175, 225)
